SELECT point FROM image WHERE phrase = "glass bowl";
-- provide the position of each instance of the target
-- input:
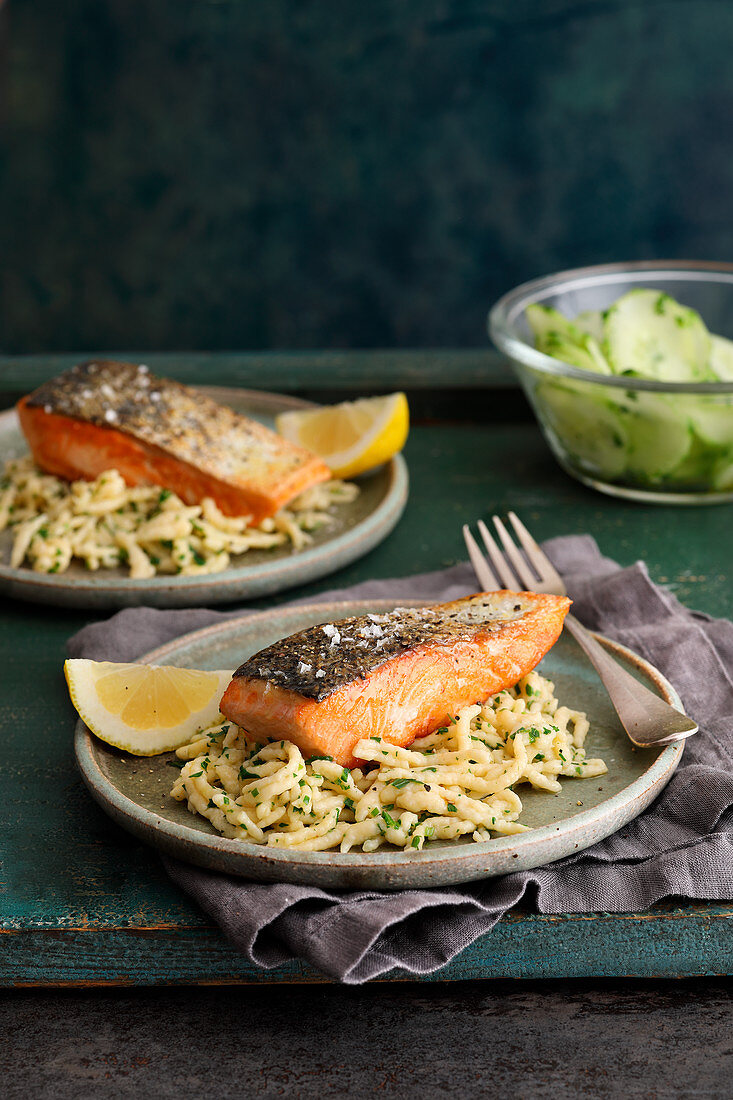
(659, 442)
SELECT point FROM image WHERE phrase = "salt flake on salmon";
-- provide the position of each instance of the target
(107, 415)
(397, 676)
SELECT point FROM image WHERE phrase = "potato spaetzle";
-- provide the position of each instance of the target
(104, 524)
(457, 781)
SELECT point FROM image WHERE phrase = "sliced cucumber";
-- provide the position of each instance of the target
(587, 354)
(658, 434)
(562, 339)
(633, 436)
(586, 426)
(593, 348)
(712, 419)
(545, 321)
(721, 358)
(650, 335)
(695, 472)
(723, 474)
(591, 321)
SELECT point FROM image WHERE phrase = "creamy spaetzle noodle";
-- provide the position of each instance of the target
(104, 523)
(458, 781)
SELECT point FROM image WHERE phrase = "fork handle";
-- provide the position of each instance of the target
(647, 719)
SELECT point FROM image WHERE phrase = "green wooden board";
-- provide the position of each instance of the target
(668, 942)
(287, 370)
(80, 901)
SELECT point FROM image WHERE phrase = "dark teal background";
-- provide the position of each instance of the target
(276, 173)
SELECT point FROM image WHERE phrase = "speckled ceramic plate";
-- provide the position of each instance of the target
(135, 791)
(357, 528)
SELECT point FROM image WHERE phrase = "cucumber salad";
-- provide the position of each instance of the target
(649, 439)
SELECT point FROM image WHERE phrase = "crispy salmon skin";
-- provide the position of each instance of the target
(103, 415)
(398, 675)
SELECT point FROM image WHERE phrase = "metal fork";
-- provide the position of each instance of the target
(647, 719)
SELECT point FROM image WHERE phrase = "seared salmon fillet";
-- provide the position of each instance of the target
(103, 414)
(399, 675)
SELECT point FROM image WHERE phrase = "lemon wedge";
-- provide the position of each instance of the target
(352, 437)
(144, 709)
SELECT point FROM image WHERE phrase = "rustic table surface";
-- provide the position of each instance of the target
(82, 903)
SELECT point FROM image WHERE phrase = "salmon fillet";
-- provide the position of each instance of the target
(399, 676)
(103, 415)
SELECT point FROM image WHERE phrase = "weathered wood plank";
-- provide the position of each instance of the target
(442, 368)
(668, 943)
(569, 1040)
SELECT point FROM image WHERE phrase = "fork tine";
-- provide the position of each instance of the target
(498, 561)
(486, 578)
(545, 569)
(521, 568)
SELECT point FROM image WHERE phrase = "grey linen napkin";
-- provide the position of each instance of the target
(682, 845)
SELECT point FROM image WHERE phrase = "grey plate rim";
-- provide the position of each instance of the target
(579, 832)
(100, 591)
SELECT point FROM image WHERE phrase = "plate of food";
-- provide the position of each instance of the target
(119, 489)
(369, 745)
